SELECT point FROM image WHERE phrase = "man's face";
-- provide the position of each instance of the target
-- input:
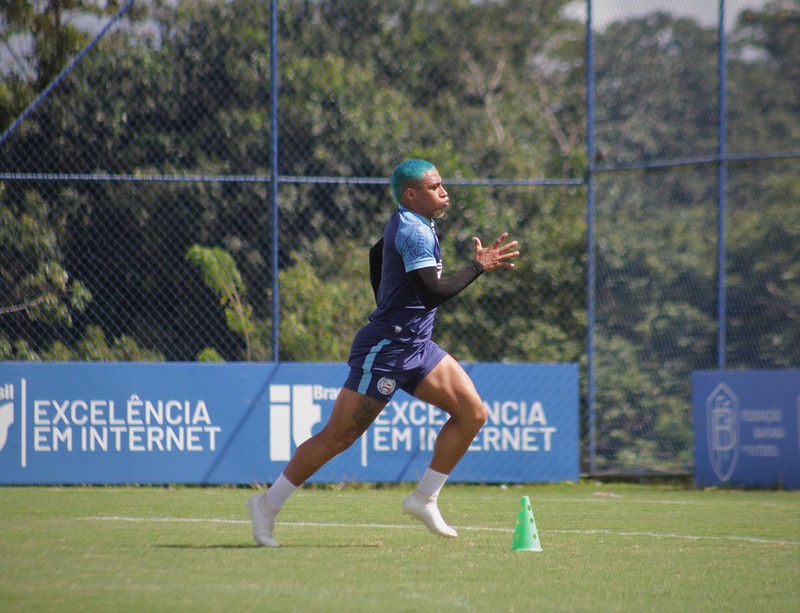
(429, 197)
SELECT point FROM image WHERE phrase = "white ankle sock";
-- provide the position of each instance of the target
(279, 493)
(431, 484)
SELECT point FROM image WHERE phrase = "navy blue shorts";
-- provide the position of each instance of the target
(379, 366)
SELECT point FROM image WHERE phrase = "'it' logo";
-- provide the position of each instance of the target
(6, 420)
(6, 412)
(292, 415)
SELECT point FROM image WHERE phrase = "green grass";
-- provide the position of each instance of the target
(612, 547)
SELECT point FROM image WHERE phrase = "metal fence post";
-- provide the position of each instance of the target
(273, 171)
(721, 184)
(590, 243)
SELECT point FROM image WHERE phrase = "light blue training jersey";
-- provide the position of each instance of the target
(409, 243)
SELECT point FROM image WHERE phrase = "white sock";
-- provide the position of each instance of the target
(431, 484)
(279, 493)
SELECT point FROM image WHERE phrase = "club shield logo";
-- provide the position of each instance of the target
(722, 413)
(386, 386)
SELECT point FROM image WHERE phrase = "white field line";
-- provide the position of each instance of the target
(311, 524)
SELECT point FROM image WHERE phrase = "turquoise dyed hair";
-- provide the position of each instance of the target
(408, 171)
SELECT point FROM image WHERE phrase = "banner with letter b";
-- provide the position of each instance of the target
(747, 428)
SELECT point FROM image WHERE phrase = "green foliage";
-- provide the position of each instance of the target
(35, 281)
(220, 273)
(41, 37)
(764, 274)
(322, 306)
(209, 355)
(94, 347)
(484, 89)
(325, 299)
(657, 231)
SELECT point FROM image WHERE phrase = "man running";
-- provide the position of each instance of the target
(394, 350)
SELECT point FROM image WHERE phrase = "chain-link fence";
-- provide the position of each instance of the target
(696, 236)
(203, 180)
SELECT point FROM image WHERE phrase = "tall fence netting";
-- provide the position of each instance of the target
(137, 195)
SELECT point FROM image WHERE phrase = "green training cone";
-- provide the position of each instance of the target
(526, 538)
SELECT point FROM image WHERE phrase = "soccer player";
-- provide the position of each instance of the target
(394, 350)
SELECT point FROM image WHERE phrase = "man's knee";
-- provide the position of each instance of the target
(340, 441)
(479, 414)
(346, 441)
(470, 411)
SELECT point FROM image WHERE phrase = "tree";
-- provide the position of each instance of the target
(220, 273)
(656, 230)
(40, 38)
(493, 88)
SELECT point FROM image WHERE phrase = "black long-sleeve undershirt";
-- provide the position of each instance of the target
(375, 266)
(431, 290)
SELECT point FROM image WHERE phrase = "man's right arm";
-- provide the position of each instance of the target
(433, 291)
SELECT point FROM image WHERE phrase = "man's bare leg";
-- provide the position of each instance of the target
(448, 387)
(352, 414)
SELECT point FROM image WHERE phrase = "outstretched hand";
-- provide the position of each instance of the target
(497, 255)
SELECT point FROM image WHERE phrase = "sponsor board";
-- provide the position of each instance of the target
(240, 423)
(747, 428)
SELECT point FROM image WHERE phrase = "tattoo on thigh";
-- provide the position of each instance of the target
(368, 409)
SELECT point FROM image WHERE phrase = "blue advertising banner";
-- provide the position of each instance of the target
(747, 428)
(239, 423)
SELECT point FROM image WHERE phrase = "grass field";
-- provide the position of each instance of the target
(611, 547)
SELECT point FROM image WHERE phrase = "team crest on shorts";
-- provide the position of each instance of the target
(386, 386)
